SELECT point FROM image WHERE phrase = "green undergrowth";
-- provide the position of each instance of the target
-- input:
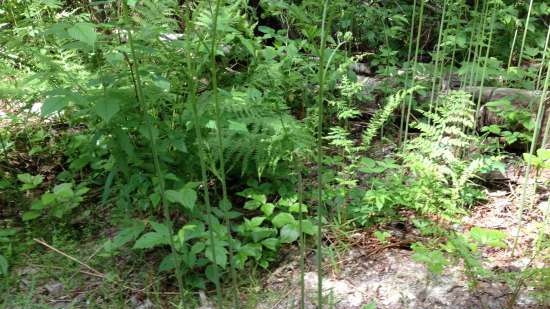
(182, 148)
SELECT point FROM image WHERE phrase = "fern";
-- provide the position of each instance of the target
(259, 136)
(439, 158)
(382, 115)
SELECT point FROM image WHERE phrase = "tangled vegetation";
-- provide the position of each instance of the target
(179, 148)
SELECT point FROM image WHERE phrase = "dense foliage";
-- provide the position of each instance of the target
(210, 135)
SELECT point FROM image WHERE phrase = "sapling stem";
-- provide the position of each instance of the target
(484, 71)
(415, 63)
(545, 52)
(403, 105)
(534, 140)
(520, 57)
(165, 206)
(219, 136)
(437, 55)
(512, 48)
(320, 110)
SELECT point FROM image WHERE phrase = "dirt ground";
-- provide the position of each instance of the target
(391, 279)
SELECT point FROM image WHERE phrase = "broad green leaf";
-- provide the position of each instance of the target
(106, 109)
(168, 263)
(371, 305)
(309, 228)
(251, 249)
(83, 32)
(3, 265)
(132, 3)
(543, 154)
(256, 221)
(267, 209)
(220, 257)
(237, 126)
(212, 273)
(261, 232)
(251, 205)
(271, 243)
(186, 197)
(151, 239)
(162, 83)
(489, 237)
(282, 219)
(7, 232)
(54, 104)
(31, 215)
(433, 259)
(160, 228)
(29, 181)
(289, 233)
(124, 236)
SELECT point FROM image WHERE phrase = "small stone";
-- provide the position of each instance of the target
(55, 289)
(146, 304)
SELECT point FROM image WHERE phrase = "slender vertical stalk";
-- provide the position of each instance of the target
(437, 55)
(470, 44)
(479, 45)
(219, 136)
(403, 105)
(520, 58)
(484, 71)
(165, 205)
(534, 140)
(302, 239)
(320, 110)
(545, 52)
(512, 48)
(415, 63)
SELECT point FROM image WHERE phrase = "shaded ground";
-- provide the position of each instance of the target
(391, 279)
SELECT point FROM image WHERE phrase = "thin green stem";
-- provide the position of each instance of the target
(520, 57)
(165, 205)
(534, 142)
(470, 44)
(479, 45)
(320, 110)
(302, 239)
(512, 48)
(415, 63)
(219, 136)
(437, 55)
(403, 105)
(484, 71)
(545, 52)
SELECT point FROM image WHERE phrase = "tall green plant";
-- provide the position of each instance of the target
(153, 143)
(225, 204)
(534, 142)
(320, 110)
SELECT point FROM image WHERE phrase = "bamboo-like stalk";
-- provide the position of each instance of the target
(470, 45)
(403, 105)
(191, 99)
(165, 205)
(320, 110)
(534, 140)
(219, 137)
(415, 63)
(545, 52)
(437, 56)
(302, 240)
(484, 71)
(479, 45)
(512, 48)
(520, 57)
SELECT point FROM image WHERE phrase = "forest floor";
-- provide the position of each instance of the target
(360, 270)
(387, 277)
